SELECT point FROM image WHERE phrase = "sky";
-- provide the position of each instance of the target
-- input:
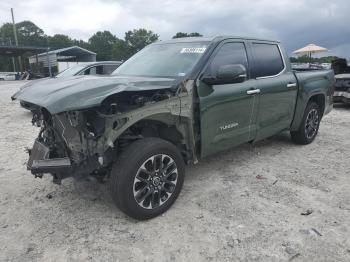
(295, 23)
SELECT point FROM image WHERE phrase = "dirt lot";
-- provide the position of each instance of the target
(224, 213)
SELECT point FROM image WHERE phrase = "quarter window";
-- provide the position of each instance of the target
(268, 60)
(229, 53)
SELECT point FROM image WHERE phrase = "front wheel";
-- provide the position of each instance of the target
(147, 178)
(309, 126)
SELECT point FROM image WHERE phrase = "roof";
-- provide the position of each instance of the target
(70, 51)
(104, 62)
(213, 39)
(73, 53)
(10, 50)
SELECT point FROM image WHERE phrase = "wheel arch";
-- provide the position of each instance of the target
(318, 97)
(320, 100)
(171, 128)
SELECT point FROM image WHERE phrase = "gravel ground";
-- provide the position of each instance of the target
(241, 205)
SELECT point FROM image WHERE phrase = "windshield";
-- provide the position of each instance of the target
(71, 71)
(163, 60)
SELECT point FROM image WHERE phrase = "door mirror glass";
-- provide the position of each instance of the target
(227, 74)
(231, 73)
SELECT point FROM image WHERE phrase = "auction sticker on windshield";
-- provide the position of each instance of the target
(193, 50)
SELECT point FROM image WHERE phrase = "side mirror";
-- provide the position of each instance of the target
(228, 74)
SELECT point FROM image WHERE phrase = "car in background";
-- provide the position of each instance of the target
(93, 68)
(8, 76)
(342, 81)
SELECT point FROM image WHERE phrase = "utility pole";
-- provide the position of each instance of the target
(13, 59)
(16, 39)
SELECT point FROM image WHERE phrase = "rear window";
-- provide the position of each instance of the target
(268, 60)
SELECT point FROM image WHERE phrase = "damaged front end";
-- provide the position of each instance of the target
(85, 143)
(67, 144)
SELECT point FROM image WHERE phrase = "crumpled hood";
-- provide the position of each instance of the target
(80, 92)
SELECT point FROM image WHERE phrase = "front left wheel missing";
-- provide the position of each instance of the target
(147, 178)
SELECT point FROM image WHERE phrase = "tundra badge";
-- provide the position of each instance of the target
(228, 126)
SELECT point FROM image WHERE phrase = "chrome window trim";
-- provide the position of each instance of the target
(284, 64)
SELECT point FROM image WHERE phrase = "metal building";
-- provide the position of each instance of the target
(45, 63)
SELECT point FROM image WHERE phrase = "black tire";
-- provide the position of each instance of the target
(128, 169)
(307, 132)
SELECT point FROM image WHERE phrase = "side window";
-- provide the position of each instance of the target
(99, 70)
(229, 53)
(108, 69)
(268, 60)
(92, 71)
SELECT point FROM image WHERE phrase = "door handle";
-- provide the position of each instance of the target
(253, 91)
(290, 85)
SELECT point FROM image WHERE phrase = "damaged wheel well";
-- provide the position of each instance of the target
(153, 128)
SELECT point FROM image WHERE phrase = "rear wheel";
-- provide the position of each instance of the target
(147, 178)
(309, 126)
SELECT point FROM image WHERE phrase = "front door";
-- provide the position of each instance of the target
(227, 111)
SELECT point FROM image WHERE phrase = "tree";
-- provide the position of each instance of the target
(27, 33)
(81, 43)
(133, 42)
(120, 50)
(30, 34)
(102, 43)
(138, 39)
(59, 41)
(181, 34)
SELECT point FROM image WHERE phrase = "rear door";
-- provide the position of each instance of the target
(227, 112)
(278, 89)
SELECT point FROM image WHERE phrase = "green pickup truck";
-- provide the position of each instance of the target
(171, 104)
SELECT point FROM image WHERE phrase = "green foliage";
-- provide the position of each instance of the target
(133, 42)
(6, 31)
(102, 43)
(27, 33)
(120, 50)
(59, 41)
(307, 59)
(30, 34)
(181, 34)
(138, 39)
(81, 43)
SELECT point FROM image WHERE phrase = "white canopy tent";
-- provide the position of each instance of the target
(310, 49)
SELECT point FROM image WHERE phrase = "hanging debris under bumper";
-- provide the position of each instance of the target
(39, 161)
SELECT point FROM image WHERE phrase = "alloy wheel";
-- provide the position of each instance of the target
(155, 181)
(311, 124)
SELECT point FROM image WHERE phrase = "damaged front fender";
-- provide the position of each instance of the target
(89, 141)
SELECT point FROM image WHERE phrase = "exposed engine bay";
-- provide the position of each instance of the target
(84, 143)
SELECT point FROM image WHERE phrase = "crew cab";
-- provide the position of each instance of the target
(171, 104)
